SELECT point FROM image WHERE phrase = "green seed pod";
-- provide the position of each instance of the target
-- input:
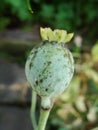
(49, 70)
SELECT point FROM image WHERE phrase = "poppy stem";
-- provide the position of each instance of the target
(29, 7)
(44, 114)
(33, 107)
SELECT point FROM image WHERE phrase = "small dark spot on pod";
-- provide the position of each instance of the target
(50, 76)
(36, 82)
(58, 59)
(45, 42)
(35, 51)
(49, 62)
(65, 66)
(46, 89)
(41, 80)
(32, 52)
(34, 55)
(30, 65)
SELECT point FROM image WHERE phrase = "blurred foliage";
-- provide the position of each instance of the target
(11, 12)
(77, 107)
(73, 15)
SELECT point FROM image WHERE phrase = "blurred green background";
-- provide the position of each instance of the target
(73, 15)
(76, 108)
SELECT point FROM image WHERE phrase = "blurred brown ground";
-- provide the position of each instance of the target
(15, 94)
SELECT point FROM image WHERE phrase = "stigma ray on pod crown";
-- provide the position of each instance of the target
(58, 36)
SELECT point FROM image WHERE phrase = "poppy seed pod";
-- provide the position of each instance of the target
(49, 70)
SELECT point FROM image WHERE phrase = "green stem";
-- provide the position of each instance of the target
(33, 107)
(44, 114)
(29, 6)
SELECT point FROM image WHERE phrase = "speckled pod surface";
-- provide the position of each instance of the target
(49, 69)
